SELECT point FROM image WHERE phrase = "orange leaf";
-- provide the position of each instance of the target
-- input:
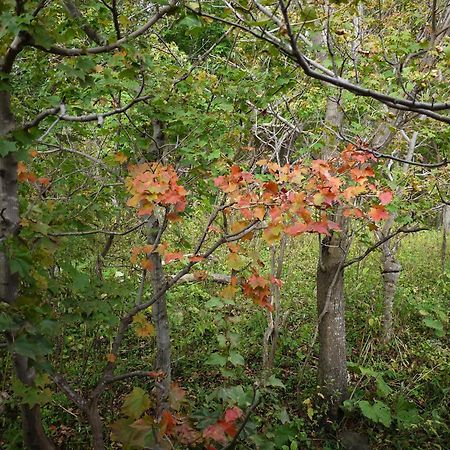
(169, 257)
(111, 357)
(147, 265)
(378, 212)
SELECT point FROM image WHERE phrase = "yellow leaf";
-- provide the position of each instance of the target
(234, 261)
(145, 330)
(120, 158)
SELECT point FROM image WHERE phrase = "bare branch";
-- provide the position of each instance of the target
(57, 50)
(381, 242)
(91, 232)
(94, 117)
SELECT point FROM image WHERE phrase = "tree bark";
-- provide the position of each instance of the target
(391, 274)
(332, 366)
(96, 425)
(445, 228)
(33, 432)
(161, 321)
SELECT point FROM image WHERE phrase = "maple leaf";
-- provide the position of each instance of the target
(176, 395)
(385, 197)
(45, 181)
(232, 414)
(353, 191)
(296, 229)
(196, 258)
(235, 262)
(169, 257)
(228, 292)
(145, 330)
(271, 187)
(120, 158)
(167, 423)
(378, 212)
(272, 233)
(200, 275)
(135, 403)
(147, 265)
(259, 212)
(215, 432)
(353, 212)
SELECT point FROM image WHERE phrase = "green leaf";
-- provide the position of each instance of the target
(406, 413)
(383, 389)
(435, 325)
(7, 147)
(33, 349)
(135, 403)
(379, 412)
(216, 359)
(275, 382)
(215, 302)
(236, 358)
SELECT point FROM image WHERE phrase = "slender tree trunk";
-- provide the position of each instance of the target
(159, 309)
(34, 436)
(161, 320)
(391, 274)
(96, 425)
(445, 228)
(33, 431)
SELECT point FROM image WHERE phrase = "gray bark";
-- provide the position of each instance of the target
(332, 365)
(161, 321)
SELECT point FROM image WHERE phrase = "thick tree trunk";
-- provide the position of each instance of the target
(332, 366)
(33, 431)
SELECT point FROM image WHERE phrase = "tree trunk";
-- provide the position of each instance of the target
(96, 425)
(391, 274)
(445, 228)
(332, 367)
(33, 432)
(161, 321)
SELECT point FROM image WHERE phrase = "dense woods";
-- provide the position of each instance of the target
(224, 224)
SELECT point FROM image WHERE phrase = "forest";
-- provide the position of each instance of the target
(224, 224)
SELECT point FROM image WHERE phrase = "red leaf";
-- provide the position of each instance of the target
(232, 414)
(167, 423)
(385, 197)
(215, 432)
(296, 229)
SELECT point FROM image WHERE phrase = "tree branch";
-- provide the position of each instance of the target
(381, 242)
(62, 51)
